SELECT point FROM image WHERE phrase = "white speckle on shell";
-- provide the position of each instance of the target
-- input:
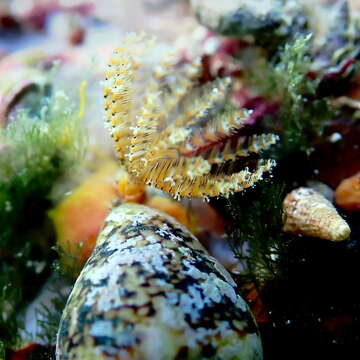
(150, 291)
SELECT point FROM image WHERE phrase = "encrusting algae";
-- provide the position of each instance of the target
(347, 194)
(78, 218)
(185, 137)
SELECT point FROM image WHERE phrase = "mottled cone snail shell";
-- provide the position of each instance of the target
(151, 291)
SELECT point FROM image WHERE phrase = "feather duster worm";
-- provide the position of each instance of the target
(185, 137)
(150, 291)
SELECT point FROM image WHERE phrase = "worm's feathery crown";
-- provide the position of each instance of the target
(185, 134)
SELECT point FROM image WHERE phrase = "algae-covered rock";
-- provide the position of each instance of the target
(263, 21)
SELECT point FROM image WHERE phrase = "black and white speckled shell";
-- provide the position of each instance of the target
(150, 291)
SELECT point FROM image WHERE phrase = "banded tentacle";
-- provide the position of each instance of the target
(119, 89)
